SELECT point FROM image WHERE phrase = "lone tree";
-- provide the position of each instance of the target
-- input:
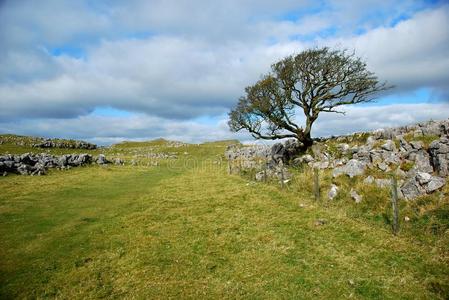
(314, 81)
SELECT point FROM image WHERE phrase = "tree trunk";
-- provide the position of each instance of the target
(306, 140)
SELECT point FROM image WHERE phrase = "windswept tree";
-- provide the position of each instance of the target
(314, 81)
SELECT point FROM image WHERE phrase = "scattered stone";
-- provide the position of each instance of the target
(101, 159)
(356, 197)
(307, 158)
(383, 183)
(320, 165)
(274, 171)
(320, 222)
(406, 219)
(369, 180)
(118, 161)
(333, 192)
(343, 148)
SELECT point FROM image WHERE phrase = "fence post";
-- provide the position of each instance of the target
(229, 166)
(265, 179)
(281, 165)
(240, 166)
(316, 184)
(394, 203)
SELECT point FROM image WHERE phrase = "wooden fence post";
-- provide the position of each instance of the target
(281, 165)
(316, 184)
(240, 166)
(394, 203)
(265, 179)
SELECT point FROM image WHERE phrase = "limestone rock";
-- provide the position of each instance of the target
(434, 184)
(320, 222)
(439, 154)
(369, 180)
(423, 177)
(101, 159)
(353, 168)
(37, 164)
(383, 167)
(333, 192)
(416, 145)
(321, 165)
(422, 162)
(118, 161)
(383, 183)
(343, 148)
(356, 197)
(411, 189)
(389, 146)
(303, 159)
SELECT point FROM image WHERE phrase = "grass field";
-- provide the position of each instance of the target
(186, 229)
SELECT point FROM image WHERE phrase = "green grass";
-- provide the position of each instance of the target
(425, 139)
(186, 229)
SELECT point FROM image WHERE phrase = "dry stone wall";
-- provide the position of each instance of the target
(38, 164)
(418, 155)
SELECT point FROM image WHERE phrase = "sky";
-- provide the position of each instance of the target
(107, 71)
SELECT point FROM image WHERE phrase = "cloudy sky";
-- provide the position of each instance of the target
(106, 71)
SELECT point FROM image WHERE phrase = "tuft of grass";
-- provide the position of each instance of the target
(425, 139)
(407, 166)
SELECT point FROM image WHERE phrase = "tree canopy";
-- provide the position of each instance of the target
(313, 81)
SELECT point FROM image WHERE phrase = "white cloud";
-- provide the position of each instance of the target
(367, 118)
(410, 55)
(178, 60)
(161, 76)
(107, 129)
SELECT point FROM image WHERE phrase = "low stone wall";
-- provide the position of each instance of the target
(38, 142)
(38, 164)
(65, 144)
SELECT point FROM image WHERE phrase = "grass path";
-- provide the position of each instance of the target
(194, 233)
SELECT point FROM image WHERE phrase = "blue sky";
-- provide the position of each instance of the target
(106, 71)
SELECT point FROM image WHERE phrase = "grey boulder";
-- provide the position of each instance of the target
(352, 168)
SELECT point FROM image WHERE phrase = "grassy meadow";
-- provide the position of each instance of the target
(184, 228)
